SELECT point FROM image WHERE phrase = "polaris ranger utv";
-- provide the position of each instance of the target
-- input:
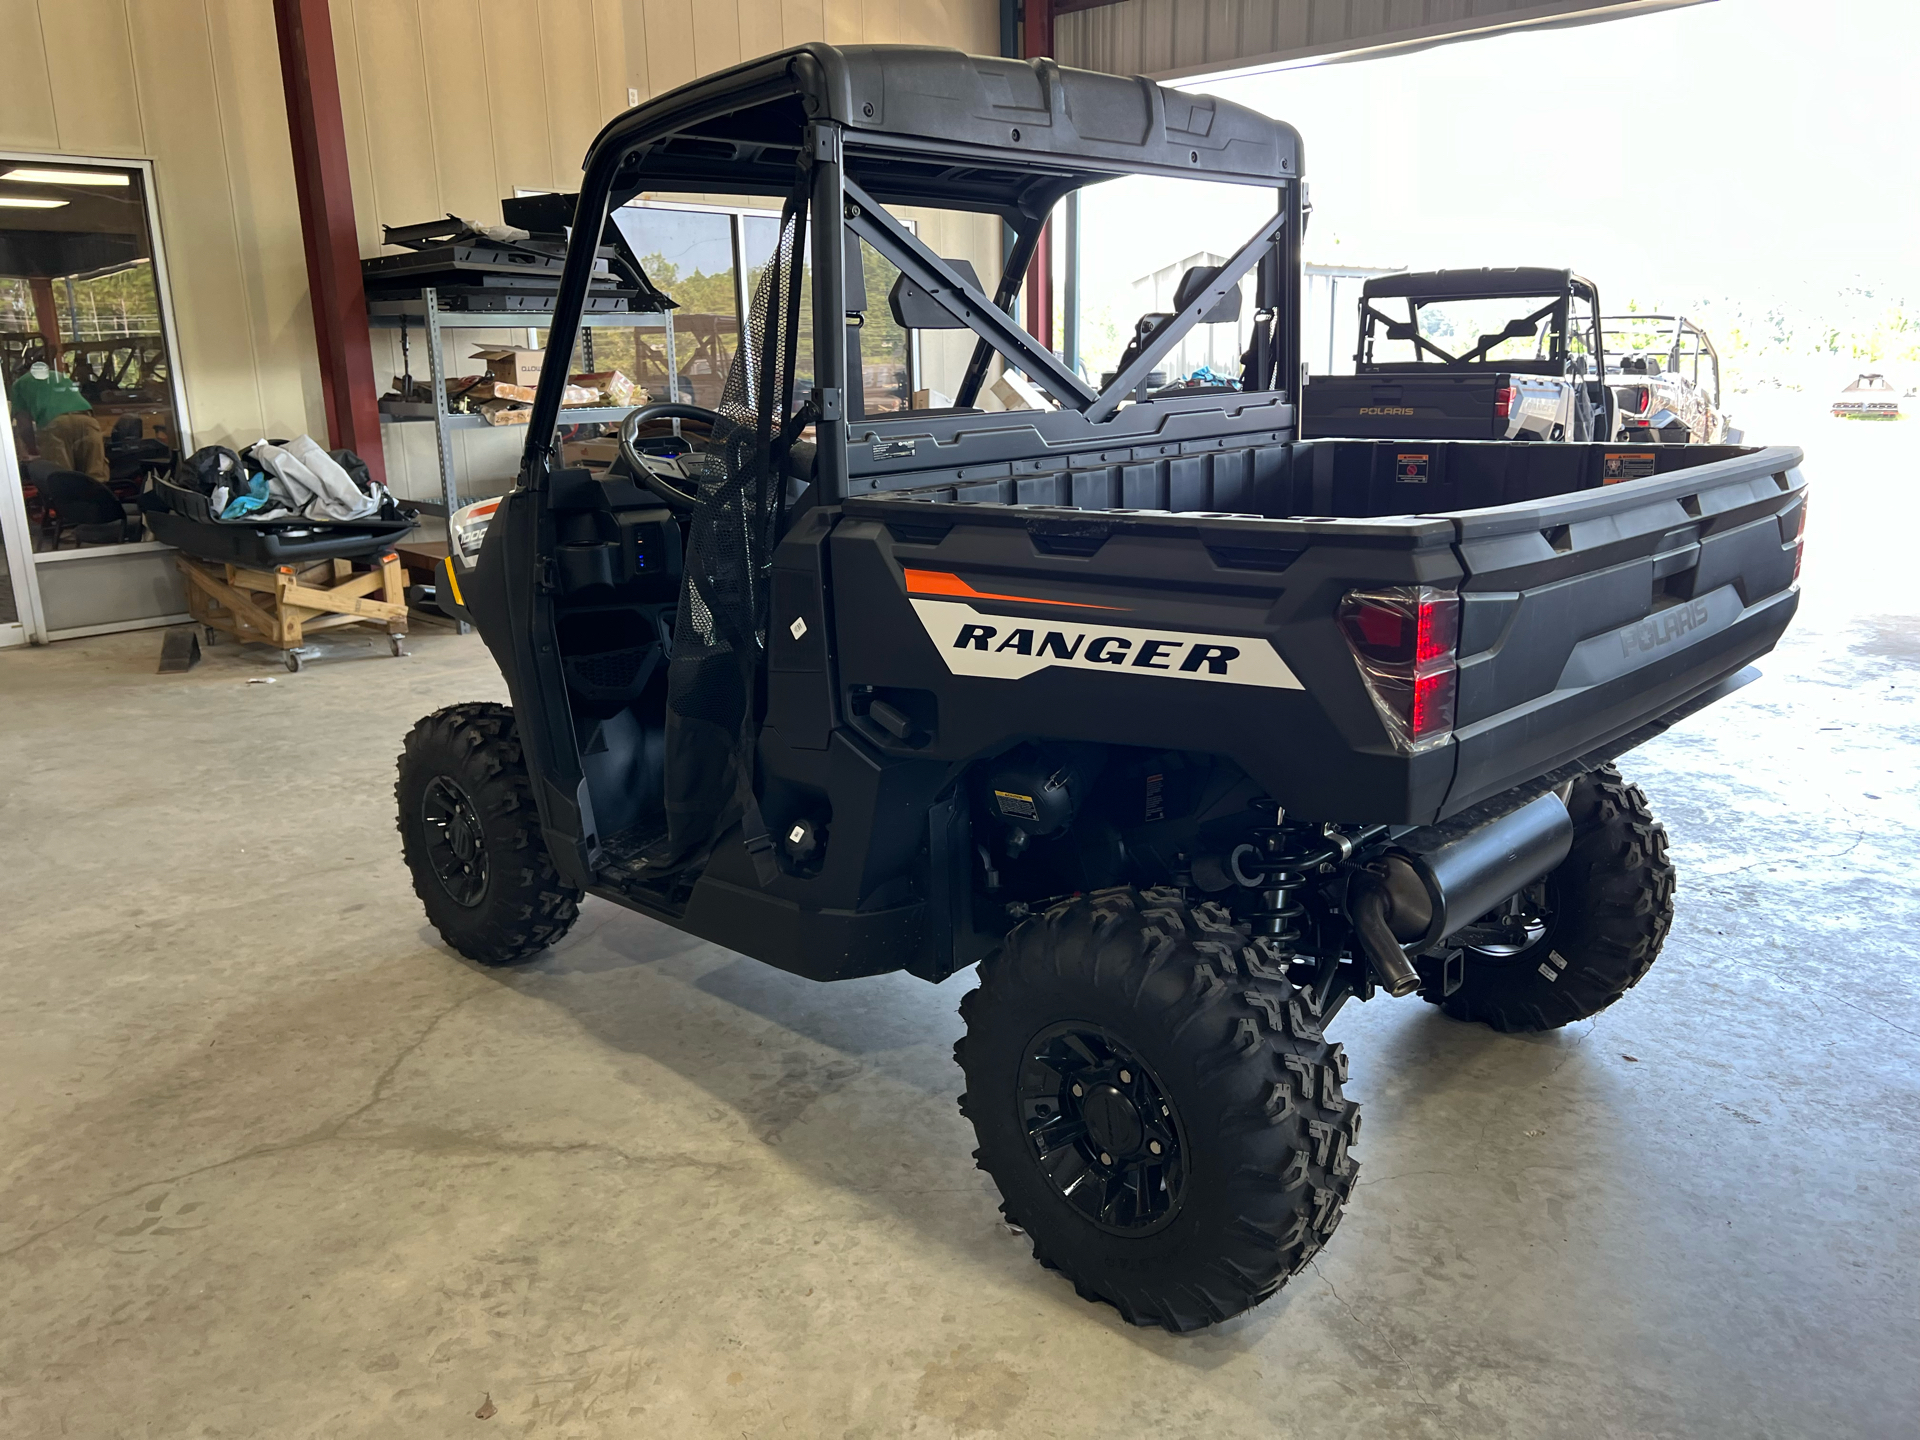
(1515, 354)
(1183, 730)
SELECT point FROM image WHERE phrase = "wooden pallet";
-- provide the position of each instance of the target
(281, 607)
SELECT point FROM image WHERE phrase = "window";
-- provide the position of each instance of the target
(1140, 235)
(1487, 330)
(84, 351)
(710, 261)
(690, 255)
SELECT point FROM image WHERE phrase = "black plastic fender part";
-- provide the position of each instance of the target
(447, 592)
(512, 608)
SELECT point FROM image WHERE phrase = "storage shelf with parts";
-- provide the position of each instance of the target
(571, 415)
(429, 314)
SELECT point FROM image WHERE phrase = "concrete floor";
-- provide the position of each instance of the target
(276, 1163)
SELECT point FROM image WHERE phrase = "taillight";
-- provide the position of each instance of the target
(1504, 399)
(1405, 639)
(1638, 398)
(1800, 540)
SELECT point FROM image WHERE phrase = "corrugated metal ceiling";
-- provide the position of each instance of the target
(1172, 39)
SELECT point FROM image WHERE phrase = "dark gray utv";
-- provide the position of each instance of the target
(1183, 730)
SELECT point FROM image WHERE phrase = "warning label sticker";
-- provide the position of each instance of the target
(1621, 465)
(1410, 469)
(1015, 807)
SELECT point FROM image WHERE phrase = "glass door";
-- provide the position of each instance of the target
(86, 361)
(19, 619)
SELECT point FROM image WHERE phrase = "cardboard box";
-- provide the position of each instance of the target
(1016, 392)
(516, 367)
(595, 453)
(505, 412)
(613, 387)
(473, 391)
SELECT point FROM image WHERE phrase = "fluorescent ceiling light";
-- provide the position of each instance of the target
(30, 202)
(68, 177)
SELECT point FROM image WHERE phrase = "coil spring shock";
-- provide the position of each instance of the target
(1280, 874)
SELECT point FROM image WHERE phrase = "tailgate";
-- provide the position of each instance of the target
(1586, 616)
(1434, 407)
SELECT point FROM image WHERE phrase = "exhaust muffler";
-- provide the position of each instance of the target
(1443, 878)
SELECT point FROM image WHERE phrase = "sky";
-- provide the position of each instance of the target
(1735, 137)
(1749, 161)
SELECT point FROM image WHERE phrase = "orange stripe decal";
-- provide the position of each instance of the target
(941, 582)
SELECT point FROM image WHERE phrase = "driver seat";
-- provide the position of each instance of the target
(1192, 284)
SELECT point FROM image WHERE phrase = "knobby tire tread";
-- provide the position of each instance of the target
(1241, 1051)
(1615, 891)
(528, 906)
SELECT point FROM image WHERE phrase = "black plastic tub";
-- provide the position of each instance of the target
(183, 519)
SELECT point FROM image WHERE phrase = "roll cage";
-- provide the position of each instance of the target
(854, 130)
(1559, 289)
(1685, 342)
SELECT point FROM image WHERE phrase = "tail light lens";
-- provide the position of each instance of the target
(1405, 639)
(1638, 398)
(467, 528)
(1504, 399)
(1800, 538)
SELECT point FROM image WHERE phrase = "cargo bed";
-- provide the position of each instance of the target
(1591, 605)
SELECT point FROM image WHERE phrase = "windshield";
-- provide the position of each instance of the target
(1412, 330)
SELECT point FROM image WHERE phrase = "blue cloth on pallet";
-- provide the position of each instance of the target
(253, 497)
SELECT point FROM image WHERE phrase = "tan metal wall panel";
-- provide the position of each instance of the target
(511, 99)
(671, 60)
(883, 22)
(716, 37)
(266, 221)
(467, 180)
(1176, 38)
(188, 132)
(90, 64)
(575, 105)
(610, 55)
(801, 21)
(26, 97)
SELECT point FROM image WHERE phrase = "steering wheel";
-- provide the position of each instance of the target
(674, 478)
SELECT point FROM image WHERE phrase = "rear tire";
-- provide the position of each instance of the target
(1181, 1036)
(472, 837)
(1610, 905)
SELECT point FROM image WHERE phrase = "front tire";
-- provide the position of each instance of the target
(1157, 1105)
(472, 837)
(1608, 907)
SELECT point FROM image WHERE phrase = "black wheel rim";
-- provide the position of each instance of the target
(1102, 1128)
(456, 844)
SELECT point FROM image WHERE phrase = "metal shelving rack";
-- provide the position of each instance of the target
(426, 312)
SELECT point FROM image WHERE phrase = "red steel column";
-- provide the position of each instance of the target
(1037, 40)
(326, 221)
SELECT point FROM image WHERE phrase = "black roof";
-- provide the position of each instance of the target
(1488, 284)
(931, 126)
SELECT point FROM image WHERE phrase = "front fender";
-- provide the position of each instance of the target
(513, 611)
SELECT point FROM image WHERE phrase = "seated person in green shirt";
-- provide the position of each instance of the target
(63, 428)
